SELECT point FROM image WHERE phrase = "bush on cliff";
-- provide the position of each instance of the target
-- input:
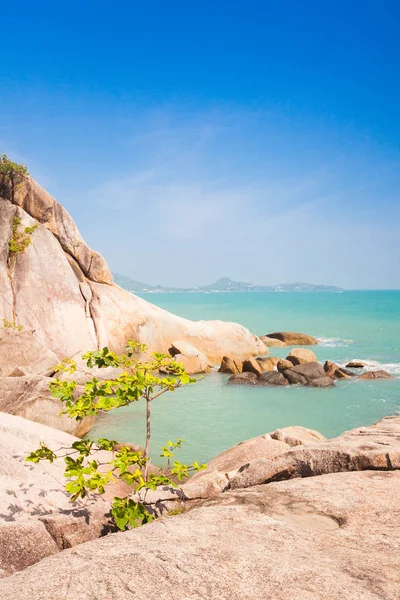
(11, 176)
(138, 380)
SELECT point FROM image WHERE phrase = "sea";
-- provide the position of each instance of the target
(211, 416)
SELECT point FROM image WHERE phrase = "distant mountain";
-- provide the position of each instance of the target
(224, 285)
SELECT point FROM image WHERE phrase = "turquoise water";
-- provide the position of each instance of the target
(211, 416)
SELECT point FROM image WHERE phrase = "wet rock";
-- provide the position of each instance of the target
(355, 364)
(307, 371)
(336, 372)
(321, 382)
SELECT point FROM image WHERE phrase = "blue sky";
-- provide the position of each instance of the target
(193, 140)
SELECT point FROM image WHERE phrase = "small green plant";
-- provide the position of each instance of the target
(21, 237)
(11, 176)
(138, 380)
(12, 325)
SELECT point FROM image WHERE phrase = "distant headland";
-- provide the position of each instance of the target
(223, 285)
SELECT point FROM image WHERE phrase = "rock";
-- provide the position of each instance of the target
(307, 372)
(21, 350)
(380, 374)
(30, 398)
(321, 382)
(299, 356)
(272, 342)
(243, 379)
(62, 292)
(291, 338)
(272, 378)
(267, 364)
(376, 447)
(181, 347)
(284, 364)
(228, 365)
(193, 364)
(251, 365)
(306, 538)
(35, 510)
(355, 364)
(297, 436)
(334, 371)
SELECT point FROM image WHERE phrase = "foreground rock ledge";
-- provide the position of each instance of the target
(335, 536)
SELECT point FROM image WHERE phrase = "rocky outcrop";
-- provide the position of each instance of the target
(30, 398)
(251, 365)
(290, 338)
(332, 537)
(62, 292)
(37, 518)
(336, 372)
(297, 435)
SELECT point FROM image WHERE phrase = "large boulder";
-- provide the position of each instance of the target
(36, 515)
(21, 350)
(305, 373)
(30, 398)
(62, 292)
(329, 537)
(301, 356)
(290, 338)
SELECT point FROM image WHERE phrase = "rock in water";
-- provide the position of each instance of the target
(251, 365)
(267, 364)
(290, 338)
(299, 356)
(272, 342)
(228, 365)
(380, 374)
(355, 364)
(272, 378)
(284, 364)
(243, 379)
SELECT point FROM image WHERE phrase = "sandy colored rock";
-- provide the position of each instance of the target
(290, 338)
(181, 347)
(267, 364)
(355, 364)
(305, 539)
(284, 364)
(297, 435)
(272, 378)
(272, 342)
(33, 496)
(376, 447)
(21, 350)
(380, 374)
(228, 365)
(299, 356)
(193, 364)
(251, 365)
(30, 398)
